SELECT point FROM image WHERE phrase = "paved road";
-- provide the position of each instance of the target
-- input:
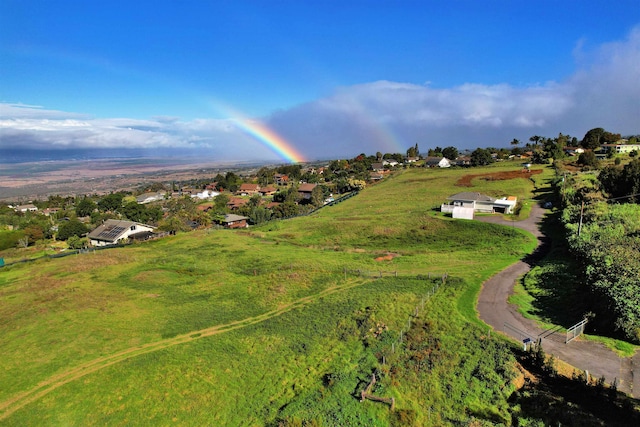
(494, 310)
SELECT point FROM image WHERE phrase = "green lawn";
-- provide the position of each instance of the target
(249, 327)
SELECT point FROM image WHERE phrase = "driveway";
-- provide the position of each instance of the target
(494, 310)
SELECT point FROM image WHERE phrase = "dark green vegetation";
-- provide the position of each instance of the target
(281, 324)
(604, 236)
(593, 268)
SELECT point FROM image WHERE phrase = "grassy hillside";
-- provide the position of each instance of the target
(269, 325)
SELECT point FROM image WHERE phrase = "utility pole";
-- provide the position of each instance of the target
(580, 224)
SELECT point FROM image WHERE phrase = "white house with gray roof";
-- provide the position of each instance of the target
(479, 203)
(114, 231)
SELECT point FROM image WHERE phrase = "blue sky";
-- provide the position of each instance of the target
(333, 78)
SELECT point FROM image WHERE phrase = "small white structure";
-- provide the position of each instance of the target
(205, 194)
(150, 197)
(26, 208)
(437, 162)
(113, 231)
(460, 212)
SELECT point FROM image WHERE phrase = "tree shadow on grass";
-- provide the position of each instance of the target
(555, 280)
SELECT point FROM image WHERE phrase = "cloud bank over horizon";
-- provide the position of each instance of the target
(384, 116)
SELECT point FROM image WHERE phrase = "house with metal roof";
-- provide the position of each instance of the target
(114, 231)
(234, 221)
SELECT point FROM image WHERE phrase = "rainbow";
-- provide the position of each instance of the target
(259, 131)
(269, 138)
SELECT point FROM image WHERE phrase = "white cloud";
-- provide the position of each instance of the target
(378, 116)
(384, 115)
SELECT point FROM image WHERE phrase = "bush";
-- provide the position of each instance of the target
(70, 228)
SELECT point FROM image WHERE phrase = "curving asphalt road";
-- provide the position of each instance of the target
(494, 310)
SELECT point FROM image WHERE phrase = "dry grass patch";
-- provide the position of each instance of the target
(467, 180)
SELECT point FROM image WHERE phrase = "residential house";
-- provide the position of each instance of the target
(205, 194)
(268, 191)
(375, 176)
(206, 207)
(463, 161)
(573, 151)
(412, 159)
(236, 203)
(150, 197)
(114, 231)
(437, 162)
(26, 208)
(305, 191)
(377, 167)
(281, 179)
(391, 163)
(480, 203)
(248, 189)
(620, 148)
(50, 211)
(234, 221)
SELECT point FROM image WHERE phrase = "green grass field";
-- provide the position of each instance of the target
(267, 325)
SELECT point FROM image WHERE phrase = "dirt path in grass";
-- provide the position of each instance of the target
(494, 310)
(44, 387)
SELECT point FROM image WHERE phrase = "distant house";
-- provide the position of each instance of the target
(377, 167)
(479, 203)
(205, 194)
(113, 231)
(281, 179)
(248, 189)
(236, 202)
(305, 190)
(50, 211)
(437, 162)
(150, 197)
(234, 221)
(573, 151)
(268, 191)
(620, 148)
(391, 163)
(26, 208)
(463, 161)
(204, 207)
(412, 159)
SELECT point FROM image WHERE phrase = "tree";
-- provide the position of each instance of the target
(588, 158)
(259, 214)
(317, 196)
(413, 151)
(34, 232)
(265, 176)
(450, 153)
(73, 227)
(75, 242)
(111, 202)
(85, 207)
(621, 182)
(515, 142)
(220, 203)
(535, 139)
(481, 157)
(592, 138)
